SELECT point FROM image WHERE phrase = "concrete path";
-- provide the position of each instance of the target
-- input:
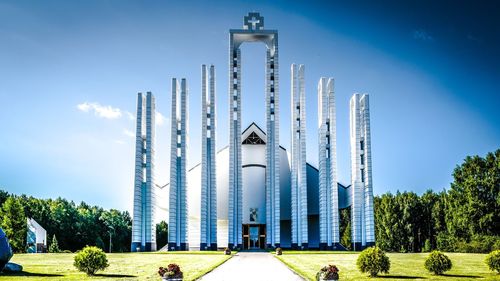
(254, 266)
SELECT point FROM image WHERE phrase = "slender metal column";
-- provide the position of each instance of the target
(178, 223)
(208, 232)
(298, 158)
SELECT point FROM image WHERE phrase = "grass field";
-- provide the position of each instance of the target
(403, 266)
(126, 266)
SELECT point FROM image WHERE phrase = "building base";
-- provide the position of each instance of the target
(357, 246)
(269, 246)
(137, 247)
(235, 247)
(181, 247)
(324, 246)
(205, 247)
(338, 247)
(369, 244)
(304, 246)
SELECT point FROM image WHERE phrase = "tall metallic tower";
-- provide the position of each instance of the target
(328, 190)
(208, 164)
(363, 227)
(143, 224)
(298, 161)
(178, 219)
(253, 31)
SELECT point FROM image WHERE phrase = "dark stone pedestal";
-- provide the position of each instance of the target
(205, 247)
(137, 247)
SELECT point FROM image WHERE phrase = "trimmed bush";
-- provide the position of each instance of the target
(493, 261)
(373, 260)
(437, 263)
(91, 259)
(279, 251)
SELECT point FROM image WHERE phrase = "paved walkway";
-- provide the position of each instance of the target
(255, 266)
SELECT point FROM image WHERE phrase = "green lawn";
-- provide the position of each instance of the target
(403, 266)
(126, 266)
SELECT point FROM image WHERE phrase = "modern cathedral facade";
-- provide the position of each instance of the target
(254, 193)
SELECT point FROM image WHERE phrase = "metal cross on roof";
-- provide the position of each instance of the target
(254, 21)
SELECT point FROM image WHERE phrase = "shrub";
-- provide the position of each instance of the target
(427, 246)
(91, 259)
(172, 271)
(373, 260)
(493, 261)
(329, 272)
(446, 242)
(279, 251)
(479, 244)
(437, 263)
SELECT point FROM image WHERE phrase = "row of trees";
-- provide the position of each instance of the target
(75, 226)
(464, 218)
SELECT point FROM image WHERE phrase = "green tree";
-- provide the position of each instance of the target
(14, 223)
(345, 228)
(373, 260)
(117, 225)
(54, 246)
(3, 196)
(474, 197)
(161, 234)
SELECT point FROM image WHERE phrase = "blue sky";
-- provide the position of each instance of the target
(70, 72)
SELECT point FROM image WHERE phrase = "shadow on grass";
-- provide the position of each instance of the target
(114, 275)
(31, 274)
(400, 277)
(461, 276)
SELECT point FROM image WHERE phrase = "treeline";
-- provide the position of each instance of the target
(74, 226)
(464, 218)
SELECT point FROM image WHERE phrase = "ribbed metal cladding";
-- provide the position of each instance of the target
(368, 188)
(235, 212)
(328, 191)
(363, 232)
(272, 145)
(298, 157)
(143, 224)
(208, 231)
(177, 235)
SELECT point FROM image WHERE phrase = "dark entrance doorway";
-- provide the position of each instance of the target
(254, 236)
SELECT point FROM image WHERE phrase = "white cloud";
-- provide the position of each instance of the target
(107, 112)
(160, 119)
(129, 133)
(119, 142)
(421, 34)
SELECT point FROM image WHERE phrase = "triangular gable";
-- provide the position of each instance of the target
(253, 135)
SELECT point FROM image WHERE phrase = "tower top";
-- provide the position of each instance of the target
(253, 21)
